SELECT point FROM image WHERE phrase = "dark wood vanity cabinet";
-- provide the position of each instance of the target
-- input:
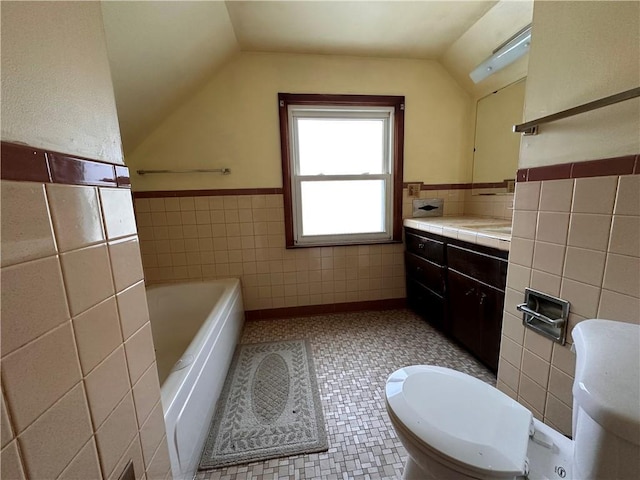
(459, 288)
(426, 277)
(476, 317)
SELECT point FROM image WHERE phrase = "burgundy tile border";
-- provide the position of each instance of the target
(625, 165)
(23, 163)
(207, 193)
(491, 185)
(456, 186)
(551, 172)
(28, 164)
(73, 171)
(274, 191)
(122, 177)
(440, 186)
(607, 166)
(446, 186)
(521, 175)
(307, 310)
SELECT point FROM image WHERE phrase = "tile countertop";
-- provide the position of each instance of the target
(491, 232)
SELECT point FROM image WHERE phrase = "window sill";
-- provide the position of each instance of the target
(355, 244)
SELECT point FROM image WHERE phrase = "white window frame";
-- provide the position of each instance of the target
(386, 114)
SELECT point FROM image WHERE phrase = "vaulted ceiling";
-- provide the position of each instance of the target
(382, 29)
(163, 51)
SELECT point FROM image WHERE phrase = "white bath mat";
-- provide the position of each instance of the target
(269, 407)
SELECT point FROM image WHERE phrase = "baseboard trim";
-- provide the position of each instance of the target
(308, 310)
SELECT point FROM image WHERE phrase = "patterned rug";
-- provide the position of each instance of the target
(269, 407)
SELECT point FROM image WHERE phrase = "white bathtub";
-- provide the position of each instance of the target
(196, 327)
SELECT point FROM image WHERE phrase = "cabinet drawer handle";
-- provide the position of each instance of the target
(420, 246)
(482, 298)
(470, 292)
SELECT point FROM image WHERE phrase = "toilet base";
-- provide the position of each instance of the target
(413, 471)
(550, 462)
(550, 458)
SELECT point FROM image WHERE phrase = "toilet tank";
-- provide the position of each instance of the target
(606, 400)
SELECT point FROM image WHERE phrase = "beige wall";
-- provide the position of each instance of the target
(56, 86)
(80, 394)
(580, 52)
(233, 121)
(578, 239)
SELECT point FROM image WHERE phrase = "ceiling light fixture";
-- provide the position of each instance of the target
(507, 53)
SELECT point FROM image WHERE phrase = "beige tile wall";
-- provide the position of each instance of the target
(577, 239)
(483, 202)
(184, 238)
(194, 238)
(79, 385)
(453, 201)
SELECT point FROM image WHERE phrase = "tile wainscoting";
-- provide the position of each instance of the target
(242, 236)
(576, 238)
(216, 234)
(80, 393)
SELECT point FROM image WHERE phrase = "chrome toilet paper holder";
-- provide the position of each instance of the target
(545, 314)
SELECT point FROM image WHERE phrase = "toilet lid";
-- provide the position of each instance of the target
(461, 418)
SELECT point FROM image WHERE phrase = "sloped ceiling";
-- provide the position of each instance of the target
(497, 25)
(161, 51)
(384, 29)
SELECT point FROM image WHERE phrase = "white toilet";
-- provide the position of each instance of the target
(455, 426)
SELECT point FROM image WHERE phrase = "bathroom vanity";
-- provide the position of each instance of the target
(458, 284)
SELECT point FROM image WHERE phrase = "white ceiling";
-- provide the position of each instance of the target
(162, 51)
(416, 29)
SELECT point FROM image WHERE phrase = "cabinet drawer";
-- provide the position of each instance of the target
(428, 274)
(427, 304)
(483, 267)
(425, 247)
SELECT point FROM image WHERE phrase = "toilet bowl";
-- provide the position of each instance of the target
(455, 426)
(451, 422)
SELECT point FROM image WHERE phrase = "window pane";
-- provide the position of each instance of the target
(343, 207)
(340, 146)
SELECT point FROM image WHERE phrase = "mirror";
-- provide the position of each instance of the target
(496, 147)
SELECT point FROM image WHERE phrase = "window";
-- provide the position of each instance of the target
(342, 168)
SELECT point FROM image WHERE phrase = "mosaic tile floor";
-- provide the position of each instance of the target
(354, 354)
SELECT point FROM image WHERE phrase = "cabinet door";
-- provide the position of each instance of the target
(465, 324)
(476, 317)
(491, 305)
(426, 303)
